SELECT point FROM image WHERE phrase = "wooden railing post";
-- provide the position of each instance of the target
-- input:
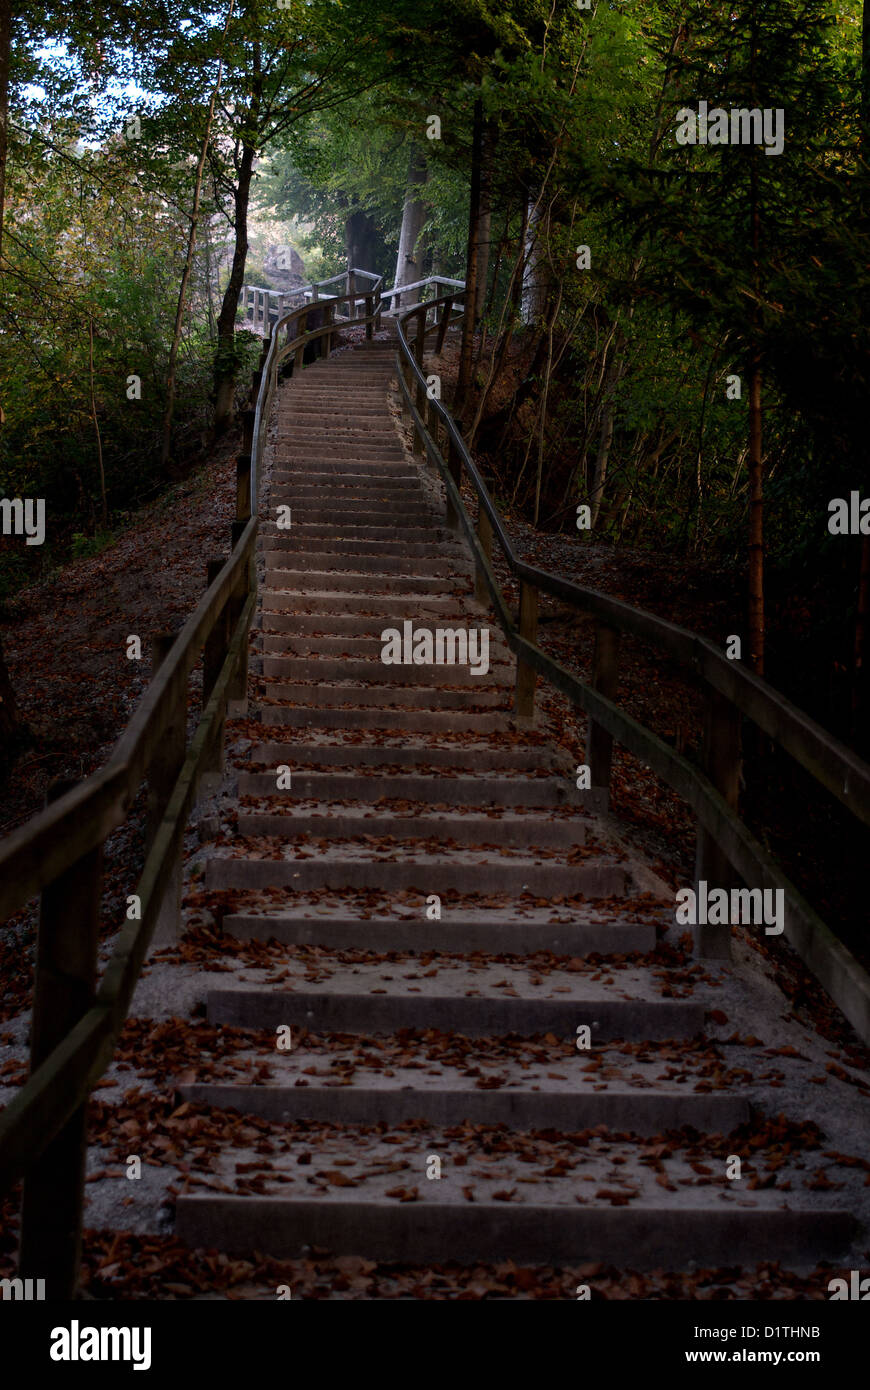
(213, 657)
(301, 327)
(64, 989)
(454, 465)
(605, 679)
(163, 772)
(419, 345)
(329, 320)
(370, 310)
(256, 378)
(442, 326)
(432, 418)
(248, 430)
(527, 676)
(237, 691)
(721, 761)
(243, 487)
(484, 533)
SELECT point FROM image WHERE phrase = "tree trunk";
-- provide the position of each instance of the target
(5, 51)
(9, 726)
(471, 260)
(756, 482)
(188, 262)
(360, 239)
(538, 286)
(605, 439)
(484, 229)
(865, 89)
(410, 255)
(225, 369)
(756, 523)
(859, 677)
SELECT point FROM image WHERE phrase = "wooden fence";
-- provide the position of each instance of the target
(730, 692)
(58, 854)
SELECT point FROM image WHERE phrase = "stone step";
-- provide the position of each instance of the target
(320, 562)
(371, 493)
(484, 758)
(511, 831)
(362, 436)
(322, 581)
(431, 788)
(378, 673)
(377, 368)
(325, 470)
(292, 455)
(331, 409)
(338, 518)
(325, 1011)
(377, 401)
(353, 648)
(352, 635)
(428, 532)
(667, 1235)
(349, 502)
(397, 698)
(379, 719)
(323, 546)
(483, 872)
(321, 388)
(356, 405)
(337, 483)
(352, 456)
(279, 599)
(495, 933)
(397, 1101)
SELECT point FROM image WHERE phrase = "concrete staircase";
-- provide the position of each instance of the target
(417, 1038)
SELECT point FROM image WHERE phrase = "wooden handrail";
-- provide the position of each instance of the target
(828, 761)
(295, 345)
(43, 1124)
(420, 284)
(51, 841)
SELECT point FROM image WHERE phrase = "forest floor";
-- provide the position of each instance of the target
(819, 844)
(66, 645)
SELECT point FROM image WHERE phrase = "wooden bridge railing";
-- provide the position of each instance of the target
(58, 853)
(432, 282)
(311, 327)
(725, 845)
(263, 308)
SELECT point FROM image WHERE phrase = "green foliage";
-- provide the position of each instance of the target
(84, 547)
